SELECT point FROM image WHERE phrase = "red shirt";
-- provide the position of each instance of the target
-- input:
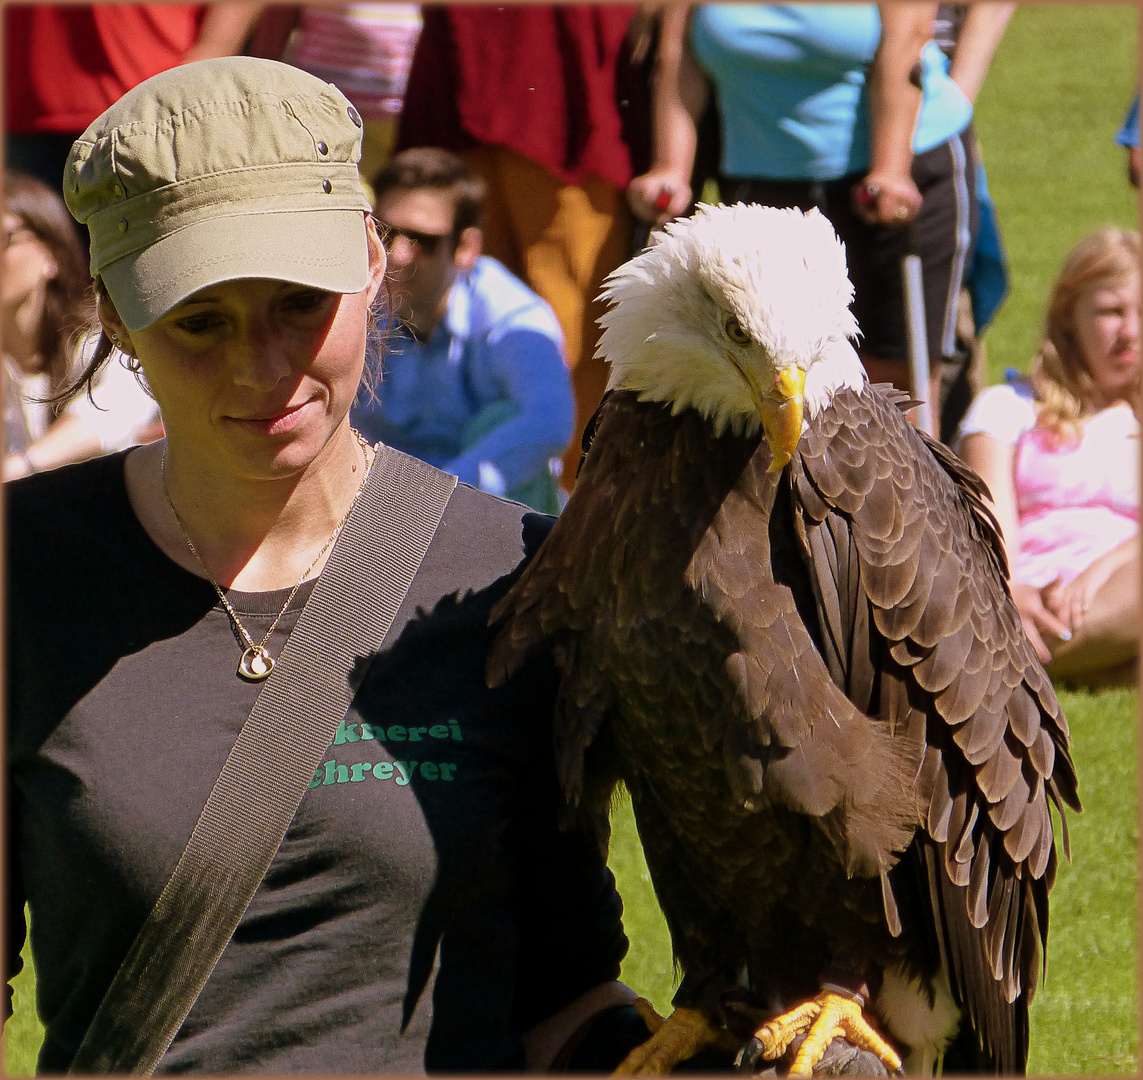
(63, 65)
(554, 83)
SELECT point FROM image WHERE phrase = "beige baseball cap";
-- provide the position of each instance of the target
(227, 168)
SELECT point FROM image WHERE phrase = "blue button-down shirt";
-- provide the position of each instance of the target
(488, 396)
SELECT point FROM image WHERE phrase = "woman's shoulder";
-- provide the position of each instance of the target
(65, 522)
(499, 302)
(1004, 411)
(1112, 436)
(1118, 419)
(481, 539)
(69, 491)
(499, 528)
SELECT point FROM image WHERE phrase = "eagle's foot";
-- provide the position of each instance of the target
(826, 1017)
(682, 1035)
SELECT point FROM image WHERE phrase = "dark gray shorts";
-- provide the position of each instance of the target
(942, 234)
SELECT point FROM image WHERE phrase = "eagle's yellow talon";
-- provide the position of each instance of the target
(682, 1035)
(827, 1017)
(777, 1034)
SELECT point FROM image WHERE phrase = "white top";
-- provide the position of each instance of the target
(122, 406)
(1076, 499)
(1005, 412)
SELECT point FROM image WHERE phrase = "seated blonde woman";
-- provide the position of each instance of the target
(1060, 454)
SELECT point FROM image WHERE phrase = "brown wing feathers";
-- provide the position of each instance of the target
(840, 766)
(997, 741)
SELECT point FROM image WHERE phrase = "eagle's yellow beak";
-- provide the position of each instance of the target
(781, 412)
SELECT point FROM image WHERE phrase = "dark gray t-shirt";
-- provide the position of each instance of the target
(424, 907)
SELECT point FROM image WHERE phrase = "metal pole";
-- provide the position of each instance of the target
(912, 283)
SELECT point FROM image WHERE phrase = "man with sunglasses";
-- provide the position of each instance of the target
(473, 377)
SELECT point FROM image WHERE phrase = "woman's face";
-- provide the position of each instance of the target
(1107, 333)
(254, 376)
(28, 263)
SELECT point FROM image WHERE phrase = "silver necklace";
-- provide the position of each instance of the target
(256, 662)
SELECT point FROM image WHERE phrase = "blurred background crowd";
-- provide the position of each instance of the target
(517, 154)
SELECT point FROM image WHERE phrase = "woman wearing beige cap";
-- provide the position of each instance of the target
(423, 910)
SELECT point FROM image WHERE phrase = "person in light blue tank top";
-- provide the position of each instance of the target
(850, 108)
(791, 83)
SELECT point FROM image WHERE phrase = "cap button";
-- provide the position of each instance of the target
(322, 148)
(122, 224)
(354, 116)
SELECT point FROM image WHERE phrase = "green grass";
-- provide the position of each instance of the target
(1046, 119)
(23, 1033)
(1085, 1018)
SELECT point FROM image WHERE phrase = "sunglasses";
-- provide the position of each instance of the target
(429, 243)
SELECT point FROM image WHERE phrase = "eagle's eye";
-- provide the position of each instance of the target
(735, 332)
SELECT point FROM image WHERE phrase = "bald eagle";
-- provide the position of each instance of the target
(782, 620)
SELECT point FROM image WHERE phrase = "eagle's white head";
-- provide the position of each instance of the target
(741, 312)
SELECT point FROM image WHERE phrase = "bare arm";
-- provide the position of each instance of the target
(1071, 603)
(69, 439)
(995, 462)
(272, 31)
(543, 1042)
(224, 30)
(894, 101)
(980, 34)
(678, 100)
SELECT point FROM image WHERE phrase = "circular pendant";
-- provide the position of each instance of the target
(256, 664)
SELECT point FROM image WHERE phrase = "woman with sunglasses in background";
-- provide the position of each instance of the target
(47, 311)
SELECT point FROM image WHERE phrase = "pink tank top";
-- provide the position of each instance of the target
(1079, 501)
